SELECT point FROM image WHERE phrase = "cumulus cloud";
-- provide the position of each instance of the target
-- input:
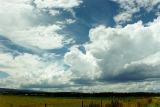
(147, 68)
(32, 71)
(124, 57)
(114, 59)
(130, 7)
(26, 26)
(115, 48)
(82, 65)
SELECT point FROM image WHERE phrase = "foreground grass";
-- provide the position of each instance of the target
(35, 101)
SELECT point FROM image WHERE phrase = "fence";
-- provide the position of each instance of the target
(90, 103)
(80, 103)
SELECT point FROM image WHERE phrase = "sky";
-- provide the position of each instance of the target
(80, 45)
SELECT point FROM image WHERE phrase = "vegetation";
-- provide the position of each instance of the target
(37, 101)
(25, 98)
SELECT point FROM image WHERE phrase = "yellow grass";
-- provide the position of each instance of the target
(35, 101)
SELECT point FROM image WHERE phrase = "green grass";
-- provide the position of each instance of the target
(35, 101)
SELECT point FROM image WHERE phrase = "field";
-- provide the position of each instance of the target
(35, 101)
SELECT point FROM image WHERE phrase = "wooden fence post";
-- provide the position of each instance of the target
(101, 102)
(82, 103)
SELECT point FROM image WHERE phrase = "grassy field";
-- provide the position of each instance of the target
(35, 101)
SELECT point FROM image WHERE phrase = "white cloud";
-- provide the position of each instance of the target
(130, 7)
(123, 17)
(122, 56)
(70, 21)
(149, 67)
(20, 64)
(43, 37)
(82, 65)
(111, 54)
(17, 15)
(64, 4)
(152, 60)
(113, 48)
(54, 12)
(27, 70)
(22, 24)
(146, 86)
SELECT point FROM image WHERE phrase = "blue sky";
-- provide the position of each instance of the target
(80, 45)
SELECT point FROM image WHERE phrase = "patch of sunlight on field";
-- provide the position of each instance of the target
(35, 101)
